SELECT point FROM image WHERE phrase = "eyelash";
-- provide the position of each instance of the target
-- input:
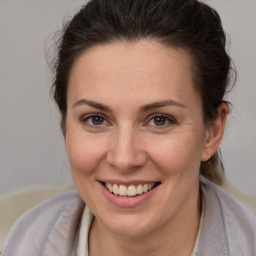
(168, 119)
(85, 120)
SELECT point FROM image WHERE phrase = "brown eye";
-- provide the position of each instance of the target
(94, 120)
(160, 120)
(97, 120)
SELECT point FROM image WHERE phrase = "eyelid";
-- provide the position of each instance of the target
(84, 119)
(87, 116)
(169, 118)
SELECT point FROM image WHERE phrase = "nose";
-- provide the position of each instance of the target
(126, 151)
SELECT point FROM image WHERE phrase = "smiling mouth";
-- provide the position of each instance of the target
(131, 190)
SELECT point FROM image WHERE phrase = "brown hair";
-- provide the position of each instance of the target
(187, 24)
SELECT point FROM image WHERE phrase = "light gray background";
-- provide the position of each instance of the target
(31, 146)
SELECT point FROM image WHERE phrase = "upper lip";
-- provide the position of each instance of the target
(127, 183)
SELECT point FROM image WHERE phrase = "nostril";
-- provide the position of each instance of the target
(125, 152)
(126, 162)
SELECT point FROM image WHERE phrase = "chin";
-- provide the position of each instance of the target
(132, 225)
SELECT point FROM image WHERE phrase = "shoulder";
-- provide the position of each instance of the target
(229, 225)
(45, 226)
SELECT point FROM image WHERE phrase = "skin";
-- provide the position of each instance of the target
(128, 144)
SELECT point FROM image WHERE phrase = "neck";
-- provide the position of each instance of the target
(177, 237)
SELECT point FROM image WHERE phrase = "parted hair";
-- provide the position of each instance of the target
(187, 24)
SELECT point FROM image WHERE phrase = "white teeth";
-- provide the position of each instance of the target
(115, 189)
(140, 189)
(122, 190)
(145, 188)
(129, 191)
(132, 191)
(110, 187)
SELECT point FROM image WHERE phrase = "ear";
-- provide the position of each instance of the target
(214, 132)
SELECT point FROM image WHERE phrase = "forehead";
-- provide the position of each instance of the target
(146, 69)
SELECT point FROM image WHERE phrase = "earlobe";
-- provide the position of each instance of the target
(214, 133)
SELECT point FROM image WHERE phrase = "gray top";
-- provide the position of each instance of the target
(52, 228)
(87, 220)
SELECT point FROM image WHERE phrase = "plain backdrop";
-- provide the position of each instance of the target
(31, 145)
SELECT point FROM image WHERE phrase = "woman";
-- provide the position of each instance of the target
(140, 85)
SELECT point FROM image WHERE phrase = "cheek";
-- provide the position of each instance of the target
(178, 155)
(84, 152)
(85, 156)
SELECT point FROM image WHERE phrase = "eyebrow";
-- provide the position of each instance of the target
(161, 104)
(145, 108)
(93, 104)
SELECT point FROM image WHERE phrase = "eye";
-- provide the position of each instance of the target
(161, 121)
(94, 120)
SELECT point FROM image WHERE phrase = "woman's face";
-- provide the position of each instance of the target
(134, 120)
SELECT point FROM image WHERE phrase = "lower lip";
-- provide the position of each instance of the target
(128, 202)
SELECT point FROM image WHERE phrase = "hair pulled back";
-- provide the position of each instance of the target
(186, 24)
